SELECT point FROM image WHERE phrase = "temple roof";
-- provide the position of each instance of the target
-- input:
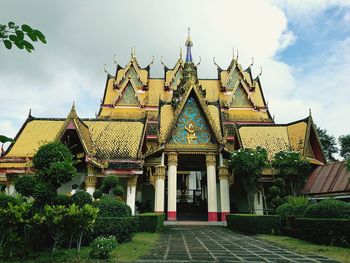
(295, 136)
(111, 139)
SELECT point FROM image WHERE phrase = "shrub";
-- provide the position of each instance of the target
(254, 224)
(97, 194)
(118, 190)
(5, 199)
(325, 231)
(102, 246)
(109, 183)
(64, 200)
(111, 207)
(25, 185)
(82, 198)
(150, 222)
(121, 228)
(295, 206)
(329, 208)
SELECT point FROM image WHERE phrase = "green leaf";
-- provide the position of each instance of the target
(11, 24)
(8, 44)
(28, 45)
(3, 138)
(19, 44)
(13, 38)
(32, 36)
(40, 36)
(20, 34)
(28, 49)
(26, 28)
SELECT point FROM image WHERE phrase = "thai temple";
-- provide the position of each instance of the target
(169, 139)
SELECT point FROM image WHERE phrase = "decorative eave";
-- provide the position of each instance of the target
(170, 81)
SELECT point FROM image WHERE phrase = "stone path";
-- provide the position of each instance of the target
(218, 244)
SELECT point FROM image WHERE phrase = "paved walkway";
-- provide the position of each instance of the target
(218, 244)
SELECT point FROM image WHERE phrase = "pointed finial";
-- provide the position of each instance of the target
(237, 55)
(73, 106)
(189, 44)
(233, 53)
(151, 63)
(115, 59)
(309, 111)
(215, 62)
(161, 61)
(105, 69)
(30, 113)
(180, 53)
(199, 62)
(251, 64)
(260, 72)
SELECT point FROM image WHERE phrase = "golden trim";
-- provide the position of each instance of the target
(210, 159)
(172, 158)
(159, 172)
(91, 181)
(132, 181)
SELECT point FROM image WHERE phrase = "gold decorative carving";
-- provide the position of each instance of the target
(159, 172)
(172, 158)
(191, 136)
(210, 159)
(223, 173)
(91, 181)
(150, 176)
(132, 182)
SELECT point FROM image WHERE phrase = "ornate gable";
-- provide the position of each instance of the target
(191, 126)
(173, 76)
(128, 96)
(240, 98)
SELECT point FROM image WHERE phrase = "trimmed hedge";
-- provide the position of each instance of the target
(329, 208)
(150, 222)
(111, 207)
(254, 224)
(325, 231)
(122, 228)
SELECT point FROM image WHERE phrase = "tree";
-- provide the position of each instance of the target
(329, 144)
(291, 168)
(248, 165)
(344, 142)
(3, 140)
(11, 34)
(54, 166)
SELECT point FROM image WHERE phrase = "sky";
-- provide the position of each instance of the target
(302, 46)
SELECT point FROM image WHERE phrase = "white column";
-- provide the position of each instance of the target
(258, 204)
(172, 177)
(90, 184)
(211, 185)
(131, 193)
(159, 189)
(224, 178)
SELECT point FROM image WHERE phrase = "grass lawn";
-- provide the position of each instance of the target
(304, 247)
(140, 245)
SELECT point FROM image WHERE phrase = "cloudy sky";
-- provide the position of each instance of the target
(303, 47)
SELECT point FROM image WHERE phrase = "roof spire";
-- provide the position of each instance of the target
(189, 44)
(180, 53)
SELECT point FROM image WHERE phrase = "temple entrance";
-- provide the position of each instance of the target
(191, 198)
(191, 193)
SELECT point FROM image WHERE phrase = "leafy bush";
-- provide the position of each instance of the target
(109, 183)
(254, 224)
(54, 163)
(121, 228)
(111, 207)
(329, 208)
(5, 199)
(150, 222)
(295, 206)
(64, 200)
(102, 246)
(82, 198)
(97, 194)
(325, 231)
(118, 190)
(277, 192)
(25, 185)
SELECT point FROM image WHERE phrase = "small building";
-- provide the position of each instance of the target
(169, 139)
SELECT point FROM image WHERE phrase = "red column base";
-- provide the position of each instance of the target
(171, 215)
(223, 215)
(212, 216)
